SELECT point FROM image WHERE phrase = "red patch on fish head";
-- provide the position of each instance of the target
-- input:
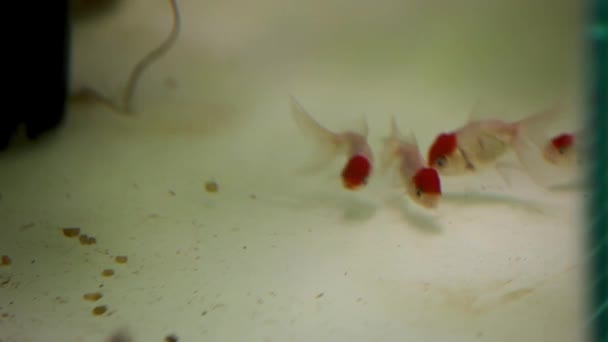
(444, 145)
(427, 181)
(562, 141)
(356, 172)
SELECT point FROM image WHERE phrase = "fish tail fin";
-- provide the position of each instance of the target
(538, 122)
(329, 142)
(530, 141)
(529, 135)
(533, 164)
(531, 131)
(309, 126)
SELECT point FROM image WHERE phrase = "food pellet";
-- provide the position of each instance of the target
(211, 186)
(87, 240)
(100, 310)
(121, 259)
(71, 232)
(107, 272)
(171, 338)
(6, 260)
(93, 296)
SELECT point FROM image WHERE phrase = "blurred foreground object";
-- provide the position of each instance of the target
(37, 67)
(598, 202)
(86, 8)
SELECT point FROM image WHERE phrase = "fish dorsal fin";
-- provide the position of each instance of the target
(395, 133)
(390, 147)
(409, 137)
(361, 125)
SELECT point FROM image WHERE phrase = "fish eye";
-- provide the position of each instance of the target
(441, 161)
(419, 192)
(561, 150)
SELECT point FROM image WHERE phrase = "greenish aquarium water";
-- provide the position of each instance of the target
(339, 170)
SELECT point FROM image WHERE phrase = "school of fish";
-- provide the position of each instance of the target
(475, 146)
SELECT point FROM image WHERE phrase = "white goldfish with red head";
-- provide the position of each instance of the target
(480, 143)
(422, 183)
(555, 159)
(562, 150)
(354, 145)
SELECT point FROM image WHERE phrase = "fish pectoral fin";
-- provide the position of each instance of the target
(489, 147)
(361, 126)
(468, 163)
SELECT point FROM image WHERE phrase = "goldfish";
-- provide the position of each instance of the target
(554, 158)
(562, 150)
(422, 183)
(353, 145)
(480, 143)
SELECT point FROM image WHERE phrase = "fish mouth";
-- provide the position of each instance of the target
(429, 201)
(350, 185)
